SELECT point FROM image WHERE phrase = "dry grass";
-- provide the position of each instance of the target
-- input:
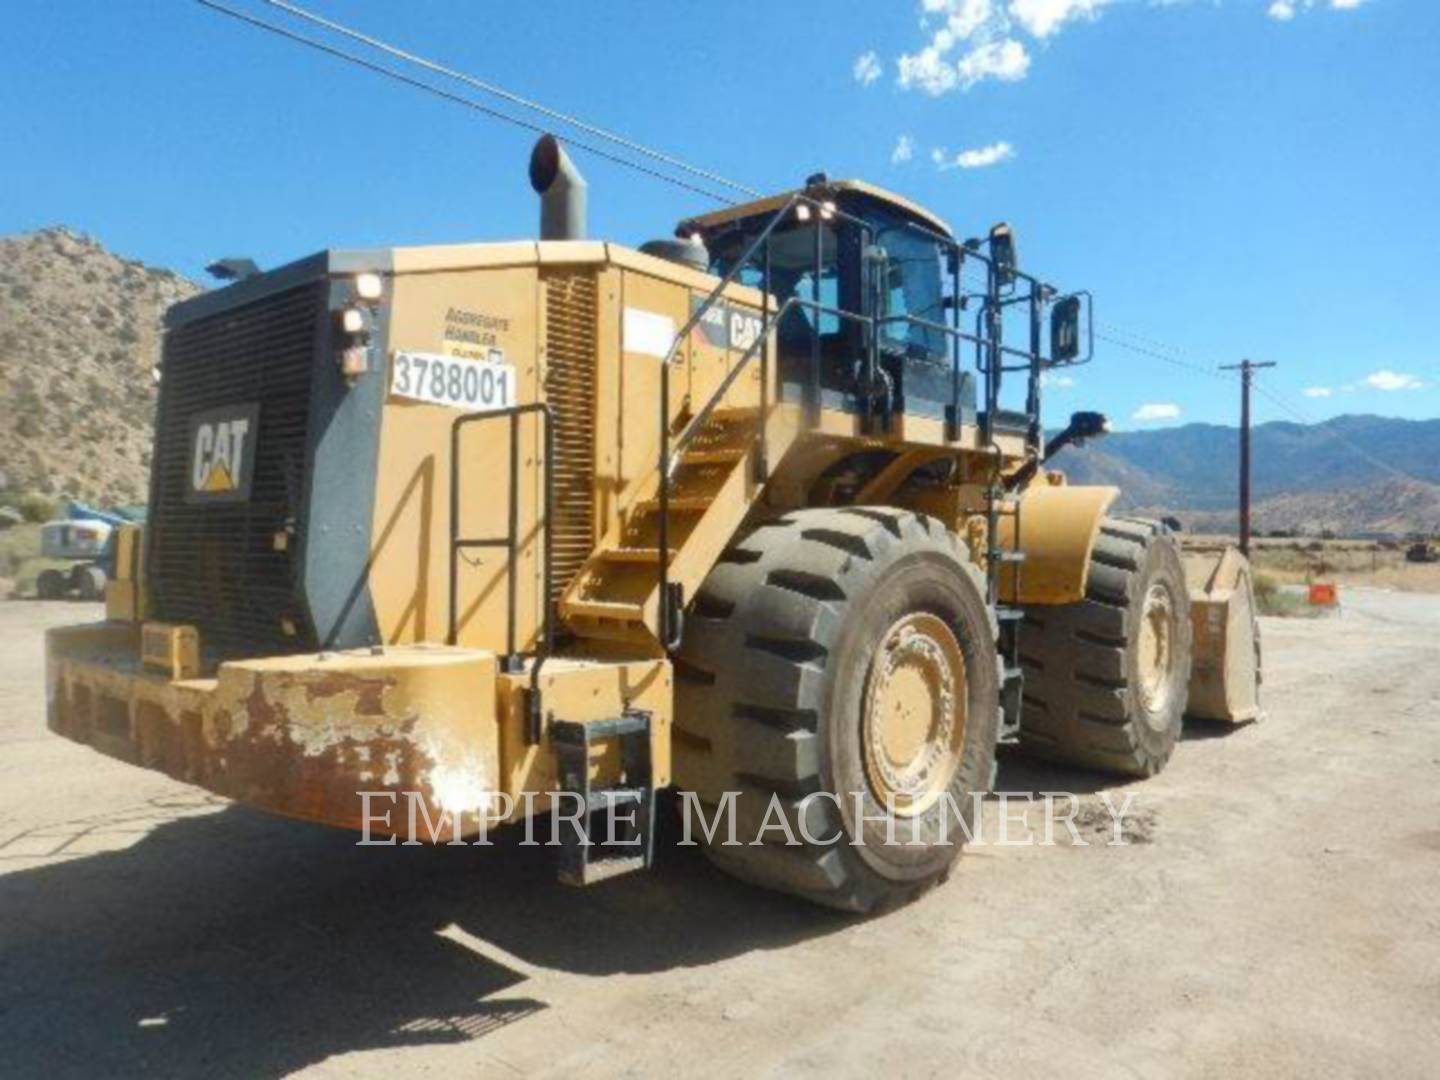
(1343, 562)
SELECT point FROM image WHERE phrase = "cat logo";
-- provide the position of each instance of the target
(222, 453)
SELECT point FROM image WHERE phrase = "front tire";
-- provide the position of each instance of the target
(1106, 679)
(834, 652)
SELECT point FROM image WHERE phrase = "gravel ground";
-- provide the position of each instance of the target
(1275, 913)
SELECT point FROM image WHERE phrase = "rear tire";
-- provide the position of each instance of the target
(839, 651)
(88, 582)
(50, 585)
(1106, 679)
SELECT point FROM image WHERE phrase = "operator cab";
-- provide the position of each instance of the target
(880, 257)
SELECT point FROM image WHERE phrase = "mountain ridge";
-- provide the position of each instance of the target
(1351, 473)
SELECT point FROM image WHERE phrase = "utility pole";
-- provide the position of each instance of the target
(1247, 369)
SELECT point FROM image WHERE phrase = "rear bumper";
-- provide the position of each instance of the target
(421, 728)
(301, 736)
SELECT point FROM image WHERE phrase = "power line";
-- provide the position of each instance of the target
(1141, 350)
(390, 73)
(513, 98)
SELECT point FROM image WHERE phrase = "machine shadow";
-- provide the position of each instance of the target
(1017, 772)
(237, 944)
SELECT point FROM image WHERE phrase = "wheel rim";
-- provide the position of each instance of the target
(1156, 651)
(915, 712)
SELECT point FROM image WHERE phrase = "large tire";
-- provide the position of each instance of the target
(88, 582)
(1106, 678)
(50, 585)
(808, 626)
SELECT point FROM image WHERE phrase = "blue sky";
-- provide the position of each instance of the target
(1229, 177)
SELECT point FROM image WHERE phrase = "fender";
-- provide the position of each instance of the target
(1057, 530)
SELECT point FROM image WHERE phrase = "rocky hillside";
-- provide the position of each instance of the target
(79, 336)
(1399, 507)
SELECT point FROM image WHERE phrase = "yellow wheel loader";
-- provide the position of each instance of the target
(467, 535)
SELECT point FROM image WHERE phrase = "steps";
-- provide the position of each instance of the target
(584, 859)
(615, 596)
(1003, 570)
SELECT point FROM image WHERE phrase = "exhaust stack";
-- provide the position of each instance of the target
(561, 189)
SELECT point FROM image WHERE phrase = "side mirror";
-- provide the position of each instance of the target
(1002, 252)
(1065, 330)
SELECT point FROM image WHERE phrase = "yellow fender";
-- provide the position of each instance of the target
(1057, 527)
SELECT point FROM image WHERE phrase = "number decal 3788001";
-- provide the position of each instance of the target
(457, 382)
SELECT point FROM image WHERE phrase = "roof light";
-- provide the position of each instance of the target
(802, 212)
(368, 286)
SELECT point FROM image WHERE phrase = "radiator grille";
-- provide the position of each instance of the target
(570, 341)
(216, 565)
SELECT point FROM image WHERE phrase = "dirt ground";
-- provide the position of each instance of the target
(1277, 915)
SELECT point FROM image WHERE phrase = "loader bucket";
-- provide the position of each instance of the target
(1225, 676)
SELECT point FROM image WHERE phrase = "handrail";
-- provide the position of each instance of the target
(823, 212)
(691, 429)
(987, 339)
(512, 660)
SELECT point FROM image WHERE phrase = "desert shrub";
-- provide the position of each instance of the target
(1272, 599)
(37, 507)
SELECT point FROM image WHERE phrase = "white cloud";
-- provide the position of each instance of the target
(980, 157)
(980, 31)
(1317, 391)
(904, 150)
(1385, 379)
(1041, 18)
(967, 42)
(1004, 60)
(1157, 411)
(1051, 381)
(1285, 10)
(867, 68)
(929, 69)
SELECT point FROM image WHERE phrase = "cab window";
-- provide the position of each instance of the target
(913, 287)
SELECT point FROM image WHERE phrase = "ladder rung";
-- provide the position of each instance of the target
(633, 554)
(1008, 556)
(603, 869)
(1013, 673)
(713, 457)
(600, 798)
(734, 414)
(685, 503)
(602, 609)
(1009, 614)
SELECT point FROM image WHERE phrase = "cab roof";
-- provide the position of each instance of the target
(831, 188)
